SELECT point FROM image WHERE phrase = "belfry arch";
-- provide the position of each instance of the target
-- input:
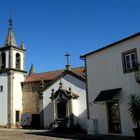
(18, 61)
(3, 60)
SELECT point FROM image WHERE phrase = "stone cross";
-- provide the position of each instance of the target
(67, 56)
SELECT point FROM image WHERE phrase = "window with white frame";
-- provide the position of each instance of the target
(130, 62)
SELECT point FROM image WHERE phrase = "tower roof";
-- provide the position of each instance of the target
(10, 38)
(32, 70)
(22, 45)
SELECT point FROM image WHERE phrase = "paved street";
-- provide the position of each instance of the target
(25, 134)
(20, 134)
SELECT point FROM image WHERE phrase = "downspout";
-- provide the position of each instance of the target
(87, 99)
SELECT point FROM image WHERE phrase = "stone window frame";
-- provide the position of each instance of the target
(126, 53)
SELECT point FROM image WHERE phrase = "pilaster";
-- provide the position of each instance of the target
(41, 111)
(10, 123)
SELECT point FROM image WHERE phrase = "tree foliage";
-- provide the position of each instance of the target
(134, 109)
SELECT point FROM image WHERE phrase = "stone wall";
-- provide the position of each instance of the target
(31, 98)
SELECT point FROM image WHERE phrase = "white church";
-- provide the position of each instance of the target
(52, 98)
(12, 73)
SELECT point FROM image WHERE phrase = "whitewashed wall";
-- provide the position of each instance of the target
(3, 100)
(105, 71)
(17, 93)
(78, 106)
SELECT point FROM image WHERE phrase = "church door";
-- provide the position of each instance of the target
(114, 117)
(61, 110)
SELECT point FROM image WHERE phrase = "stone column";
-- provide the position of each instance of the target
(71, 113)
(10, 60)
(10, 123)
(41, 111)
(54, 111)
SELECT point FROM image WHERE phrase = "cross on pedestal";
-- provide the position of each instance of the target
(68, 64)
(67, 55)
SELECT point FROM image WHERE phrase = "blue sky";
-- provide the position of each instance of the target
(50, 28)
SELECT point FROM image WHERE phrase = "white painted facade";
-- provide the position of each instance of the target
(78, 105)
(10, 82)
(3, 100)
(17, 94)
(105, 71)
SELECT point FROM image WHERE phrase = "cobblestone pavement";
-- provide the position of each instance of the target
(20, 134)
(25, 134)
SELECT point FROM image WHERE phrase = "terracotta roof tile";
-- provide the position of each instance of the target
(52, 74)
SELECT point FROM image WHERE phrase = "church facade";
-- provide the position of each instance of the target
(65, 99)
(58, 98)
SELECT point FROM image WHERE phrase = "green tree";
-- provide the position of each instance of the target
(134, 109)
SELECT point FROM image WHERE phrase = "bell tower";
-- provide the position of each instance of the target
(12, 73)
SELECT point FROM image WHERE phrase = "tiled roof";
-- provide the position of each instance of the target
(110, 45)
(52, 74)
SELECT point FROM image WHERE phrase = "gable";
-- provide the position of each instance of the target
(68, 80)
(52, 75)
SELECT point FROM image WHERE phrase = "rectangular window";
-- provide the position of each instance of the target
(17, 116)
(130, 62)
(1, 88)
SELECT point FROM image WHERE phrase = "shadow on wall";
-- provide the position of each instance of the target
(71, 127)
(46, 116)
(82, 120)
(46, 119)
(77, 83)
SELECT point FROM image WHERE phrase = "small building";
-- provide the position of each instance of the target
(113, 73)
(57, 97)
(63, 102)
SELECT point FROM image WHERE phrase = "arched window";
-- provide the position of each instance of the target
(3, 60)
(17, 61)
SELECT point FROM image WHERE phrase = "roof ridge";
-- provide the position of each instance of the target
(56, 70)
(46, 72)
(111, 44)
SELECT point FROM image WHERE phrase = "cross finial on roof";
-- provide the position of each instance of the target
(68, 64)
(10, 38)
(10, 21)
(60, 84)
